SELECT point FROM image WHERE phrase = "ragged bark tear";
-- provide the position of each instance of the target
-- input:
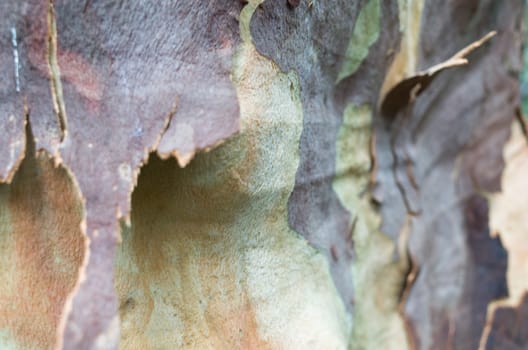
(405, 91)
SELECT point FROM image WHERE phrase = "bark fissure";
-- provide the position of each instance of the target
(54, 70)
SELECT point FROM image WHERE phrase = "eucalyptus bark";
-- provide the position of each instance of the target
(262, 175)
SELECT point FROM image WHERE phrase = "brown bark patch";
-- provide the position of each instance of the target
(41, 247)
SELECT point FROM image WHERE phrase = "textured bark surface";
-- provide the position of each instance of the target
(315, 210)
(508, 328)
(505, 326)
(350, 200)
(42, 248)
(453, 136)
(117, 76)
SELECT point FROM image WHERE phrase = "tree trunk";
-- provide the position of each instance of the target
(262, 175)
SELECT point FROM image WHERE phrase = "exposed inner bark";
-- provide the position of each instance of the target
(323, 224)
(41, 251)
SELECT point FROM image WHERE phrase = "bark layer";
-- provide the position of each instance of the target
(321, 219)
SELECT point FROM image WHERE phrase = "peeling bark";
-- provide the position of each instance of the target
(330, 189)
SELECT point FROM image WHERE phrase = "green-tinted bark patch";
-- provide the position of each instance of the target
(366, 32)
(377, 279)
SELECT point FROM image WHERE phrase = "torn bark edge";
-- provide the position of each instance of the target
(81, 277)
(12, 169)
(28, 141)
(81, 274)
(184, 159)
(54, 71)
(244, 20)
(123, 213)
(60, 112)
(120, 215)
(506, 302)
(490, 317)
(401, 94)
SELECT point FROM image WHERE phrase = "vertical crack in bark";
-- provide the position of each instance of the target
(55, 76)
(373, 161)
(408, 272)
(411, 274)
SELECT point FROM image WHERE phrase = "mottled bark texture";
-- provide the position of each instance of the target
(261, 175)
